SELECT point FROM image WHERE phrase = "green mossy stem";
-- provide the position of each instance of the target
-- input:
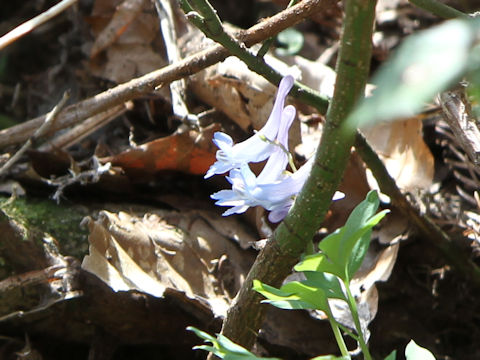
(294, 234)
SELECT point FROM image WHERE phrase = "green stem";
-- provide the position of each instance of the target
(439, 9)
(338, 336)
(352, 304)
(293, 235)
(336, 332)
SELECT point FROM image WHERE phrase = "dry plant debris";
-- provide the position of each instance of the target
(149, 273)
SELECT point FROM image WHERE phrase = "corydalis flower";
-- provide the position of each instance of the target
(256, 148)
(277, 196)
(273, 189)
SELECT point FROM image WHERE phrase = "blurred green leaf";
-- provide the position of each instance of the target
(330, 357)
(415, 352)
(425, 64)
(291, 41)
(392, 355)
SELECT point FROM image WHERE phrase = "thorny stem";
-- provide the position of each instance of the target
(352, 304)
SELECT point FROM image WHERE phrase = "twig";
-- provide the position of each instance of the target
(207, 20)
(85, 128)
(31, 24)
(138, 87)
(424, 224)
(49, 120)
(177, 88)
(441, 10)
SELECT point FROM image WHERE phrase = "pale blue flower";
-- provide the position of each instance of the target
(256, 148)
(273, 189)
(276, 197)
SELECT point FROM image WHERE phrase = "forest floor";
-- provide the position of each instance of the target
(111, 244)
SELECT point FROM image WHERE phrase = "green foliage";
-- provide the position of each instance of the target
(415, 352)
(339, 257)
(224, 348)
(291, 41)
(342, 252)
(425, 64)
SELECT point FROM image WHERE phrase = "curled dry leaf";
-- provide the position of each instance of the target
(152, 254)
(406, 156)
(190, 152)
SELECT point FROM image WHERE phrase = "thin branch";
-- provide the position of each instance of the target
(138, 87)
(49, 121)
(207, 20)
(431, 232)
(441, 10)
(31, 24)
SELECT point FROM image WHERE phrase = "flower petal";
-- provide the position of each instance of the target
(255, 148)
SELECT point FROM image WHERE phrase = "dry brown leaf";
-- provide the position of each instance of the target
(191, 152)
(405, 155)
(152, 254)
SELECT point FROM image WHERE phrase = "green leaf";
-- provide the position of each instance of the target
(329, 283)
(320, 262)
(293, 296)
(291, 41)
(342, 252)
(392, 355)
(224, 348)
(330, 357)
(415, 352)
(360, 247)
(280, 299)
(425, 64)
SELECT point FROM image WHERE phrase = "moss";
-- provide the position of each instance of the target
(60, 221)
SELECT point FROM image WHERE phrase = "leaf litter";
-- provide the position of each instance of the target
(187, 256)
